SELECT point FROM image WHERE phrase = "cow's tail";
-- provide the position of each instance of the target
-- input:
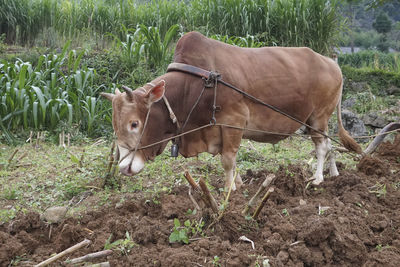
(344, 136)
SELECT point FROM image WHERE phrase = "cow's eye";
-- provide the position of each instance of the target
(134, 124)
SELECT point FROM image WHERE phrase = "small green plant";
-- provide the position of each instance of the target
(216, 262)
(10, 193)
(179, 233)
(124, 246)
(191, 212)
(378, 189)
(18, 259)
(285, 212)
(7, 214)
(189, 229)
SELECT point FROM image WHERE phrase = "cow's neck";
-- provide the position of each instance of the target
(160, 126)
(182, 92)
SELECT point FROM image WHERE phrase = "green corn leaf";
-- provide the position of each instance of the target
(78, 61)
(22, 76)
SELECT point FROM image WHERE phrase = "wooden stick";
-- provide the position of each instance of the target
(111, 158)
(207, 194)
(81, 159)
(85, 242)
(196, 190)
(191, 181)
(90, 256)
(37, 139)
(30, 137)
(196, 206)
(268, 180)
(115, 162)
(63, 138)
(101, 264)
(12, 156)
(263, 201)
(225, 203)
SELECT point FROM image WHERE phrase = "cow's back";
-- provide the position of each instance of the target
(273, 68)
(296, 80)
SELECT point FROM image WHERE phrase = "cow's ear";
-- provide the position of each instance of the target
(156, 93)
(108, 96)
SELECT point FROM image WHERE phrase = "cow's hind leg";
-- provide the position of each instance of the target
(333, 171)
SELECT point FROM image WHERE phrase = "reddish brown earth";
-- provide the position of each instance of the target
(361, 227)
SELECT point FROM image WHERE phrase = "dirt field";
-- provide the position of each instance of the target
(350, 220)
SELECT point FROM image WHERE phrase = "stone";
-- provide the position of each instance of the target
(54, 214)
(375, 120)
(353, 124)
(349, 103)
(393, 90)
(356, 86)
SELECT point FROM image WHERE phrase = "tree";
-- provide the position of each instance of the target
(351, 13)
(382, 25)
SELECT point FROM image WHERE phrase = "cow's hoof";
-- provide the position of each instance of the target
(238, 184)
(227, 186)
(316, 181)
(333, 173)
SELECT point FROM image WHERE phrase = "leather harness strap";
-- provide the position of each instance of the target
(189, 69)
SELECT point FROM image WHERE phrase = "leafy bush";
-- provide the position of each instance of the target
(378, 79)
(371, 59)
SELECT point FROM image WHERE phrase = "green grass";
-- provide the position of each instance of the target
(52, 176)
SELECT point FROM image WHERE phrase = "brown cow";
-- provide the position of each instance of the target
(298, 81)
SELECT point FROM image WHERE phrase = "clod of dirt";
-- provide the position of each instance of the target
(54, 214)
(370, 166)
(316, 230)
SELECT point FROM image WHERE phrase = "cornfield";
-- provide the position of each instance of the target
(39, 97)
(312, 23)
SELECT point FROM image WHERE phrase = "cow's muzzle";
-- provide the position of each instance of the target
(132, 163)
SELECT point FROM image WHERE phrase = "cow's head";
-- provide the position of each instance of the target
(130, 110)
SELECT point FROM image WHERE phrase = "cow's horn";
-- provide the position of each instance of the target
(128, 91)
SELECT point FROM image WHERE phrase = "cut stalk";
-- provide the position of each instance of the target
(263, 201)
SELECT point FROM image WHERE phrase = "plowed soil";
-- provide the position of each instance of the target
(349, 220)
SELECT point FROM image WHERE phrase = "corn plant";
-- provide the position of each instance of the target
(157, 50)
(248, 41)
(131, 48)
(54, 90)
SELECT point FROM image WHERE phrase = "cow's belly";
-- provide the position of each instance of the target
(263, 138)
(267, 126)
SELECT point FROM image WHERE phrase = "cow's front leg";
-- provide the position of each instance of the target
(229, 165)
